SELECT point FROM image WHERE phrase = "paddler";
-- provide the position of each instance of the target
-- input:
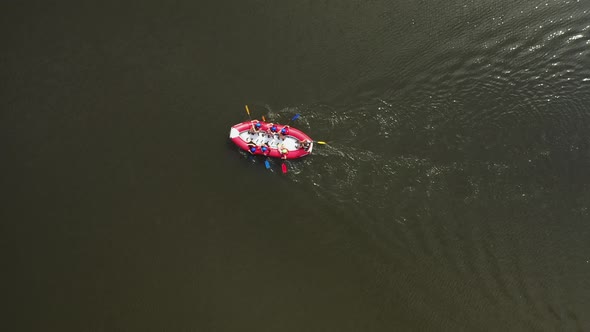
(283, 150)
(284, 132)
(252, 148)
(304, 144)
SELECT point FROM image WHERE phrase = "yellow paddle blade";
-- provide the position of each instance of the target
(247, 110)
(321, 142)
(263, 119)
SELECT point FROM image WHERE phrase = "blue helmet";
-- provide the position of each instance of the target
(258, 125)
(273, 128)
(264, 149)
(253, 149)
(284, 131)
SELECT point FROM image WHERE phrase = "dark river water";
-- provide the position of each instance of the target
(453, 193)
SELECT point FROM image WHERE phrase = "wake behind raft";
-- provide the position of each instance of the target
(271, 140)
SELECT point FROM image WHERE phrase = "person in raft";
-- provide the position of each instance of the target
(255, 127)
(272, 129)
(304, 144)
(269, 130)
(284, 152)
(264, 148)
(284, 132)
(252, 148)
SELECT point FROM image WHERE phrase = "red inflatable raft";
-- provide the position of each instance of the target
(261, 140)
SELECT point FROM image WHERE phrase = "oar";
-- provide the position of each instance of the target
(267, 164)
(294, 118)
(248, 111)
(284, 167)
(321, 142)
(263, 119)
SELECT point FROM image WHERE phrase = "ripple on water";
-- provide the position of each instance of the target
(455, 168)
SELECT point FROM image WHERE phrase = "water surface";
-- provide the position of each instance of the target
(452, 195)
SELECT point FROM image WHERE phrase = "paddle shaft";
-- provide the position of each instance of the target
(248, 111)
